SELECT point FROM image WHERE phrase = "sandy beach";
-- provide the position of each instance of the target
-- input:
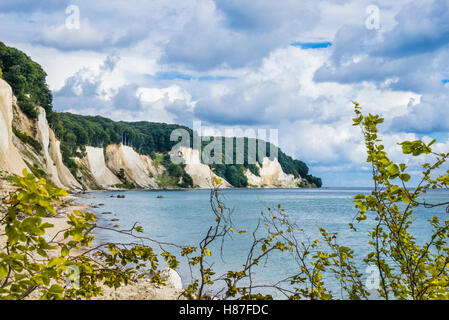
(139, 290)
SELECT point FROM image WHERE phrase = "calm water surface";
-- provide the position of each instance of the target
(183, 217)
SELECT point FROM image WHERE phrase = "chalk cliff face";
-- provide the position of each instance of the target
(201, 174)
(271, 175)
(96, 163)
(14, 152)
(10, 159)
(138, 168)
(115, 166)
(55, 169)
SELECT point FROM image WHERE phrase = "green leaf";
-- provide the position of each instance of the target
(405, 198)
(56, 289)
(55, 261)
(78, 235)
(405, 177)
(393, 169)
(3, 271)
(41, 252)
(64, 251)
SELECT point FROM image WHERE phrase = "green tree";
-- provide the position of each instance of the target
(30, 262)
(27, 80)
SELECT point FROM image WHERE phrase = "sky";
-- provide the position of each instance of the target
(290, 65)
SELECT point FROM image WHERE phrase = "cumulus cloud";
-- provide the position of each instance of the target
(428, 116)
(411, 56)
(87, 92)
(231, 64)
(265, 15)
(422, 26)
(235, 35)
(86, 37)
(283, 88)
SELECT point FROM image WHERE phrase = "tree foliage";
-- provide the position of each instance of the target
(234, 174)
(408, 270)
(78, 131)
(145, 137)
(27, 79)
(31, 262)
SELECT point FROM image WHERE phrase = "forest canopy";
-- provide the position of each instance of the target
(77, 131)
(27, 80)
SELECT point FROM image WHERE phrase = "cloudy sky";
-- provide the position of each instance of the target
(292, 65)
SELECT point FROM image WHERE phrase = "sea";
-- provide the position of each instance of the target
(183, 217)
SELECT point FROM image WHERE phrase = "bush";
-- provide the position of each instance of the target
(28, 108)
(29, 262)
(166, 181)
(67, 159)
(125, 183)
(234, 174)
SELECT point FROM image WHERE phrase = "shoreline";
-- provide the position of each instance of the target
(137, 290)
(140, 289)
(190, 189)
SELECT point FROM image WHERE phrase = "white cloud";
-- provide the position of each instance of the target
(260, 81)
(86, 37)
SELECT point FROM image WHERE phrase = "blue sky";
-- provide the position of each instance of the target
(290, 65)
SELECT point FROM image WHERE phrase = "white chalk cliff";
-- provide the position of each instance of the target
(271, 175)
(201, 174)
(96, 163)
(55, 169)
(102, 168)
(138, 168)
(14, 153)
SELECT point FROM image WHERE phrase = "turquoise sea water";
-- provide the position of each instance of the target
(183, 217)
